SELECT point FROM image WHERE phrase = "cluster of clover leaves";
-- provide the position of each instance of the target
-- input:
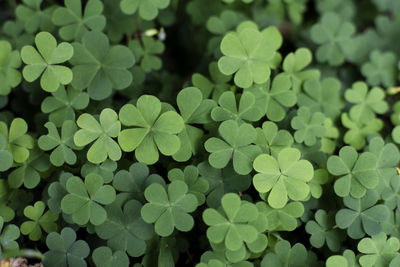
(200, 133)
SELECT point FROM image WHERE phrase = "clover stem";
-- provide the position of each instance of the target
(398, 170)
(394, 90)
(335, 226)
(25, 253)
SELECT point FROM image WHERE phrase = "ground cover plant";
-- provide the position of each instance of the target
(200, 133)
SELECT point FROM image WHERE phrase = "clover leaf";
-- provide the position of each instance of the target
(155, 130)
(73, 23)
(105, 169)
(357, 172)
(362, 216)
(64, 145)
(104, 257)
(9, 234)
(308, 126)
(337, 260)
(236, 146)
(286, 255)
(381, 69)
(272, 99)
(99, 67)
(391, 193)
(271, 140)
(231, 225)
(10, 61)
(39, 220)
(357, 131)
(146, 52)
(227, 109)
(63, 104)
(249, 60)
(285, 177)
(378, 250)
(84, 198)
(147, 9)
(323, 96)
(102, 133)
(194, 110)
(282, 219)
(222, 181)
(334, 37)
(136, 180)
(294, 65)
(198, 186)
(6, 158)
(367, 103)
(56, 191)
(18, 141)
(214, 87)
(169, 209)
(322, 231)
(124, 229)
(45, 62)
(65, 250)
(33, 17)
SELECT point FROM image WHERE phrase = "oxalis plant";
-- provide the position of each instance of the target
(201, 133)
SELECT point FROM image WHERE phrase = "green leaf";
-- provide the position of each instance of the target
(57, 190)
(103, 257)
(100, 67)
(147, 9)
(45, 62)
(381, 69)
(39, 220)
(10, 61)
(271, 140)
(76, 22)
(283, 219)
(154, 130)
(236, 145)
(33, 17)
(308, 126)
(378, 251)
(356, 173)
(284, 178)
(105, 169)
(6, 158)
(65, 250)
(146, 52)
(101, 133)
(285, 255)
(84, 199)
(9, 234)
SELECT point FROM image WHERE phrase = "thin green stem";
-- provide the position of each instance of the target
(23, 253)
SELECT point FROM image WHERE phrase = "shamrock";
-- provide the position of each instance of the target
(285, 177)
(6, 158)
(366, 103)
(63, 104)
(222, 181)
(57, 191)
(378, 250)
(169, 210)
(155, 130)
(105, 169)
(322, 96)
(148, 9)
(198, 186)
(381, 69)
(8, 235)
(103, 257)
(272, 99)
(250, 60)
(39, 220)
(357, 172)
(227, 109)
(358, 131)
(102, 132)
(236, 146)
(33, 17)
(282, 219)
(84, 198)
(73, 24)
(320, 178)
(308, 127)
(285, 255)
(322, 231)
(345, 9)
(194, 110)
(29, 172)
(216, 86)
(63, 145)
(335, 38)
(45, 60)
(99, 67)
(362, 216)
(391, 194)
(124, 229)
(294, 65)
(10, 61)
(146, 52)
(65, 250)
(271, 140)
(17, 141)
(231, 225)
(329, 140)
(136, 180)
